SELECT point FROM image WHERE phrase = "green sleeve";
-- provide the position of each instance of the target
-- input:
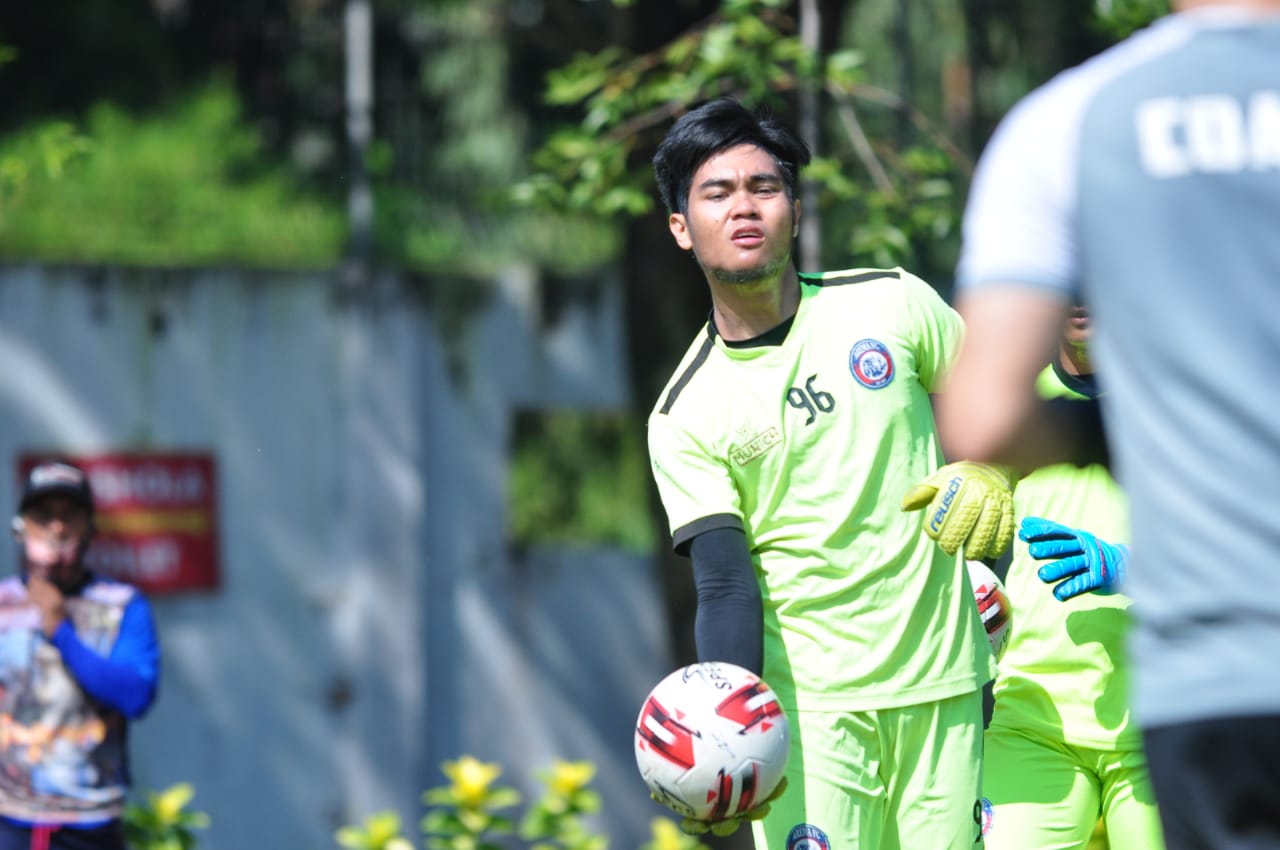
(692, 481)
(939, 330)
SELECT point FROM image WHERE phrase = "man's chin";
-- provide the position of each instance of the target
(749, 274)
(46, 569)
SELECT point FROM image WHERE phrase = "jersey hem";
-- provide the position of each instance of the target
(935, 692)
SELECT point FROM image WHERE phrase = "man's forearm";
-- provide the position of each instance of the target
(729, 624)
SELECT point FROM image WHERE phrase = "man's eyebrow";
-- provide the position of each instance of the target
(753, 180)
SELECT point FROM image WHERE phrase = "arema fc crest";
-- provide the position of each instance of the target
(984, 816)
(871, 363)
(807, 837)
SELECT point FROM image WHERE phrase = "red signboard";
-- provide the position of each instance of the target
(157, 517)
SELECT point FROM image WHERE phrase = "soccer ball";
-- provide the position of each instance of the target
(711, 741)
(993, 605)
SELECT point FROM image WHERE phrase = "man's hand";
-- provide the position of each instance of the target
(45, 595)
(968, 505)
(729, 826)
(1081, 562)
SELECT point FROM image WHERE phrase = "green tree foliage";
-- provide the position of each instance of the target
(892, 176)
(187, 186)
(898, 193)
(1119, 18)
(454, 138)
(580, 478)
(43, 154)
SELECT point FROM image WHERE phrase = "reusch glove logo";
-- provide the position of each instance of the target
(940, 515)
(967, 505)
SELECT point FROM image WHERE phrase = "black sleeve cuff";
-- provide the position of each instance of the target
(683, 535)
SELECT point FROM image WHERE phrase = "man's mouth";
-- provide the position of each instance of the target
(44, 553)
(748, 237)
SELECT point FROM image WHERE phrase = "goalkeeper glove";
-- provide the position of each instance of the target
(968, 504)
(1081, 562)
(729, 826)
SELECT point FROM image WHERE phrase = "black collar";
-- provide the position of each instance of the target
(773, 337)
(1085, 385)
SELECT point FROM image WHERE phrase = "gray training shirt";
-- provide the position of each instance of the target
(1148, 180)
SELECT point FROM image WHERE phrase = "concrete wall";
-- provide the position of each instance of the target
(371, 620)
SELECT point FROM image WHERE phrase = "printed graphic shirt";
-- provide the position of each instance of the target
(63, 710)
(809, 445)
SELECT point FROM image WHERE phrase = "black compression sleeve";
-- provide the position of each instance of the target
(729, 624)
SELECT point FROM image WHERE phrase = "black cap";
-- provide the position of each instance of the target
(56, 477)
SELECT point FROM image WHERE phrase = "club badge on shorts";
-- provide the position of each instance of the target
(807, 837)
(871, 363)
(984, 815)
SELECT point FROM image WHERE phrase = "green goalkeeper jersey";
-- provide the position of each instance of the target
(1064, 673)
(807, 439)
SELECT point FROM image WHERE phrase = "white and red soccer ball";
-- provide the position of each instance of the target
(711, 741)
(993, 605)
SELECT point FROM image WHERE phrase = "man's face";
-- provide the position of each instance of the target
(54, 532)
(740, 222)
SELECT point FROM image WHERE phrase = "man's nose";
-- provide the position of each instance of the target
(744, 204)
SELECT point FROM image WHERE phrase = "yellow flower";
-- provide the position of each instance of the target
(169, 803)
(471, 779)
(569, 777)
(666, 835)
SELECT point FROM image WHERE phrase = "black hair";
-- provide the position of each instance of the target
(716, 126)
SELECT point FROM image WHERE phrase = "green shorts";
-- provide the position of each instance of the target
(880, 780)
(1047, 794)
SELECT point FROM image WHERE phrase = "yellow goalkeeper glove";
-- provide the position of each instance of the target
(729, 826)
(967, 505)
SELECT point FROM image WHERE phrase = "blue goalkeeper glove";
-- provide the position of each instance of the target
(967, 504)
(729, 826)
(1080, 562)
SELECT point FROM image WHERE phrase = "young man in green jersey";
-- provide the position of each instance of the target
(1062, 749)
(781, 448)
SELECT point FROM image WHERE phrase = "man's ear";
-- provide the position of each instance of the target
(795, 219)
(679, 228)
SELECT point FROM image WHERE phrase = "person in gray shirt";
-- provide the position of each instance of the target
(1147, 182)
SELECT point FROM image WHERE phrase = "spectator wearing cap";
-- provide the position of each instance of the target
(79, 659)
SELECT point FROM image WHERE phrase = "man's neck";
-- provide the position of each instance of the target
(744, 311)
(1074, 360)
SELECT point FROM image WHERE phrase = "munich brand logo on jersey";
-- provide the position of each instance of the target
(807, 837)
(666, 735)
(871, 363)
(756, 446)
